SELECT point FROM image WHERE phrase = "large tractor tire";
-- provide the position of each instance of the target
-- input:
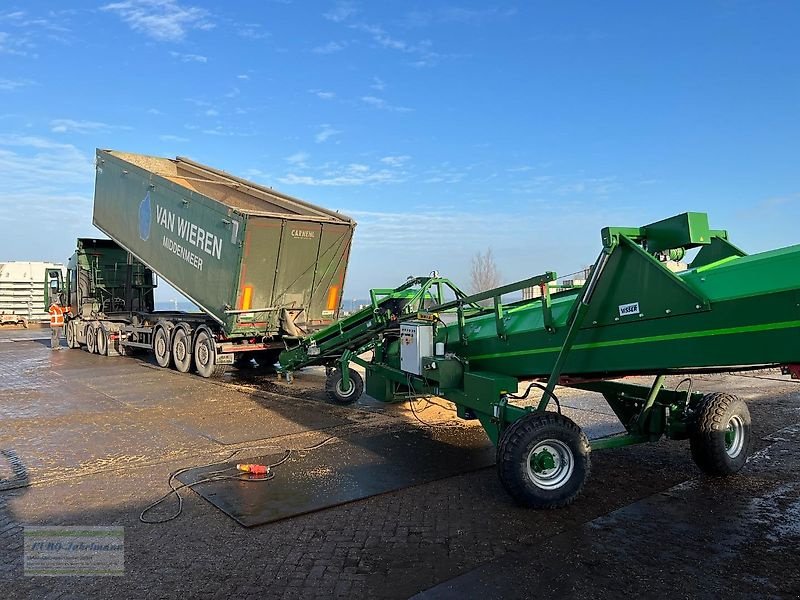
(336, 391)
(720, 436)
(543, 460)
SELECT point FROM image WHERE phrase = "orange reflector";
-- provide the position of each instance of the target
(247, 297)
(333, 298)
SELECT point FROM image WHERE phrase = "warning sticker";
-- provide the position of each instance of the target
(629, 309)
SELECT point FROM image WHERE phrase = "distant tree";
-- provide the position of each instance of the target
(484, 272)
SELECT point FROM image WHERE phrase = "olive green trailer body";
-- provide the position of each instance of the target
(256, 261)
(263, 267)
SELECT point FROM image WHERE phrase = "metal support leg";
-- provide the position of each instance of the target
(577, 320)
(648, 405)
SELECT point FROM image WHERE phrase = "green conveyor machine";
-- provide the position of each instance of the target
(634, 316)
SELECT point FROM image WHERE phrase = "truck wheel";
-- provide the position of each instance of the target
(334, 387)
(205, 356)
(72, 342)
(720, 435)
(543, 460)
(91, 339)
(181, 352)
(161, 347)
(101, 341)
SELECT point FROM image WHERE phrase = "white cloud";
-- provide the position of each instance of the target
(346, 177)
(252, 31)
(324, 95)
(16, 45)
(422, 50)
(233, 93)
(298, 159)
(154, 111)
(381, 104)
(73, 126)
(341, 12)
(378, 84)
(221, 131)
(326, 132)
(396, 161)
(211, 113)
(329, 48)
(454, 227)
(162, 20)
(172, 138)
(41, 175)
(189, 57)
(9, 85)
(243, 76)
(334, 174)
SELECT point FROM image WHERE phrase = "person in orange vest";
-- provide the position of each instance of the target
(56, 322)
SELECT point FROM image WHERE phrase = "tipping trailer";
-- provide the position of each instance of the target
(727, 311)
(263, 267)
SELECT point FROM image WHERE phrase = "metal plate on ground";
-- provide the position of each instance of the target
(344, 471)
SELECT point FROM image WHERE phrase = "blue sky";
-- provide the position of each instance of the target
(442, 127)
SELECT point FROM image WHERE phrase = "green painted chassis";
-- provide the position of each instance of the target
(630, 257)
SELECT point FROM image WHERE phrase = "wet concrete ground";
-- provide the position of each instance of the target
(97, 438)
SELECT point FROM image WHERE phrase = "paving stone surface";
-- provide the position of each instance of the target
(100, 436)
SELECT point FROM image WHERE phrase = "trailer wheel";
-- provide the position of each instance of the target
(720, 434)
(91, 339)
(161, 347)
(101, 341)
(205, 356)
(543, 460)
(334, 387)
(181, 351)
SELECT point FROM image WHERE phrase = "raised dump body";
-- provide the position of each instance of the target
(263, 267)
(258, 262)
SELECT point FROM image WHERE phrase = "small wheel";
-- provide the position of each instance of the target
(161, 347)
(335, 390)
(181, 352)
(72, 342)
(543, 460)
(91, 339)
(205, 356)
(720, 434)
(101, 341)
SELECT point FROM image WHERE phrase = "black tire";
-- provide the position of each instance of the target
(333, 387)
(91, 339)
(543, 460)
(101, 341)
(161, 347)
(72, 341)
(181, 350)
(720, 434)
(205, 356)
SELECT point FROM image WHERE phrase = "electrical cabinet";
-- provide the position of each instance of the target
(416, 342)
